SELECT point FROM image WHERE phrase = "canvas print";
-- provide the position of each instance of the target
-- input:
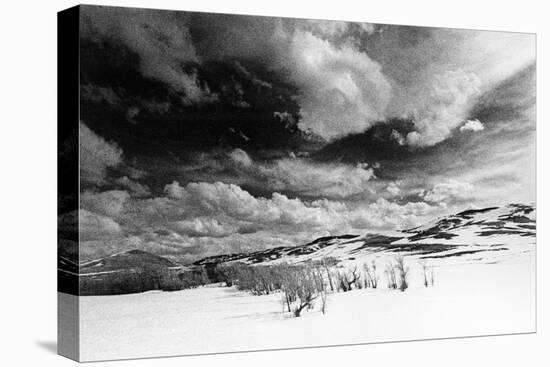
(236, 183)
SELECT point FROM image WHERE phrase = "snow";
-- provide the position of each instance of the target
(468, 228)
(470, 297)
(484, 230)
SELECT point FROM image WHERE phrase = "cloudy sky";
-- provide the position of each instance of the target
(204, 133)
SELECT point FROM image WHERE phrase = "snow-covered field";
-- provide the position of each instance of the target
(467, 299)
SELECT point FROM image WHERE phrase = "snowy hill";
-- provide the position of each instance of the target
(479, 226)
(126, 261)
(130, 271)
(487, 235)
(478, 231)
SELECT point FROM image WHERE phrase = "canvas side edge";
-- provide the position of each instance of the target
(68, 325)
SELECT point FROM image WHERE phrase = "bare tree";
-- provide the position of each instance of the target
(359, 283)
(374, 276)
(322, 291)
(402, 271)
(346, 280)
(353, 278)
(305, 300)
(371, 278)
(324, 302)
(425, 269)
(289, 290)
(326, 263)
(391, 276)
(301, 286)
(307, 291)
(366, 279)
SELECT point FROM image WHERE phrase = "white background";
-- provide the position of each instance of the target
(28, 182)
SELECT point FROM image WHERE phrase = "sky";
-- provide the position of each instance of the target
(203, 134)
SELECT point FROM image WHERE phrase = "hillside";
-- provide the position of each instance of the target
(482, 235)
(482, 232)
(511, 220)
(132, 271)
(133, 260)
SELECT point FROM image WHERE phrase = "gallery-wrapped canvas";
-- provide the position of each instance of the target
(238, 183)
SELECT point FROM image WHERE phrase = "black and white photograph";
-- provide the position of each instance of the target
(242, 183)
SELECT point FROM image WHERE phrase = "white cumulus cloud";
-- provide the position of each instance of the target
(109, 203)
(203, 227)
(219, 217)
(449, 191)
(472, 125)
(445, 107)
(342, 90)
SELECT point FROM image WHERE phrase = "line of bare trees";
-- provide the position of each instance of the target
(141, 279)
(305, 284)
(397, 273)
(301, 285)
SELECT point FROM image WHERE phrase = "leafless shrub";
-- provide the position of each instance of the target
(324, 302)
(258, 280)
(425, 270)
(228, 273)
(391, 277)
(194, 278)
(289, 284)
(300, 285)
(371, 278)
(359, 284)
(402, 272)
(374, 276)
(366, 280)
(340, 282)
(428, 273)
(347, 279)
(322, 289)
(307, 289)
(305, 300)
(326, 263)
(352, 278)
(141, 280)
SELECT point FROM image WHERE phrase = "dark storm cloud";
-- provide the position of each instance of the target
(122, 103)
(160, 38)
(333, 78)
(510, 105)
(205, 50)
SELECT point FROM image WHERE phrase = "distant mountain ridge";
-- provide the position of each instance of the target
(475, 232)
(512, 219)
(127, 260)
(452, 235)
